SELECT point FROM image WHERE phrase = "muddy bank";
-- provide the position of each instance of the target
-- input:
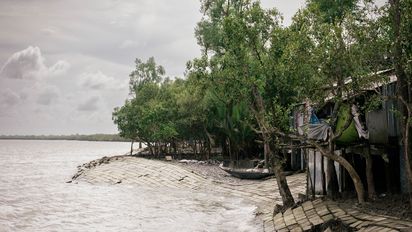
(181, 199)
(395, 205)
(94, 163)
(212, 171)
(200, 177)
(207, 169)
(204, 178)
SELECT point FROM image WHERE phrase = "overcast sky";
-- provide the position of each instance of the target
(65, 64)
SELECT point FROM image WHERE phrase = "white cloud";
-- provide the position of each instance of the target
(29, 64)
(60, 67)
(100, 39)
(98, 81)
(24, 64)
(90, 104)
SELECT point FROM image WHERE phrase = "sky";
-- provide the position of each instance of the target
(64, 65)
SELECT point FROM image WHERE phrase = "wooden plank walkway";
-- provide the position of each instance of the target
(312, 214)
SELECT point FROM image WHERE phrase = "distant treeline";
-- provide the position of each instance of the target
(92, 137)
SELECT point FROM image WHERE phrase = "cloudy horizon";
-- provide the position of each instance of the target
(65, 64)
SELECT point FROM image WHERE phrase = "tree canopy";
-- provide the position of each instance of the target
(240, 93)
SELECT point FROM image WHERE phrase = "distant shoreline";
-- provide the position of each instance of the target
(93, 137)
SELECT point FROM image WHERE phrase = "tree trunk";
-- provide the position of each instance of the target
(266, 154)
(156, 149)
(406, 145)
(283, 186)
(284, 191)
(333, 185)
(209, 150)
(131, 148)
(229, 149)
(309, 183)
(322, 171)
(402, 89)
(369, 175)
(194, 147)
(209, 144)
(224, 149)
(150, 148)
(360, 191)
(357, 182)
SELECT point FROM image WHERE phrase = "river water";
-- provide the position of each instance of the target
(34, 195)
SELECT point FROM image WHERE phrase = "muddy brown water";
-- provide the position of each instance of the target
(34, 195)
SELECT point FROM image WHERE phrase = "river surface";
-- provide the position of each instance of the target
(34, 195)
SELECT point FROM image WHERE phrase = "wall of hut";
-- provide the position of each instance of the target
(383, 144)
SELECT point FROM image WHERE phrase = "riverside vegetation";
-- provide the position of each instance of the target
(239, 94)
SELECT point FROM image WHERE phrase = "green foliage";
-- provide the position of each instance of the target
(146, 117)
(346, 41)
(373, 103)
(161, 110)
(248, 57)
(145, 73)
(125, 119)
(333, 11)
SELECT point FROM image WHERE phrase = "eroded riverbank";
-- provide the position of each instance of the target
(134, 171)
